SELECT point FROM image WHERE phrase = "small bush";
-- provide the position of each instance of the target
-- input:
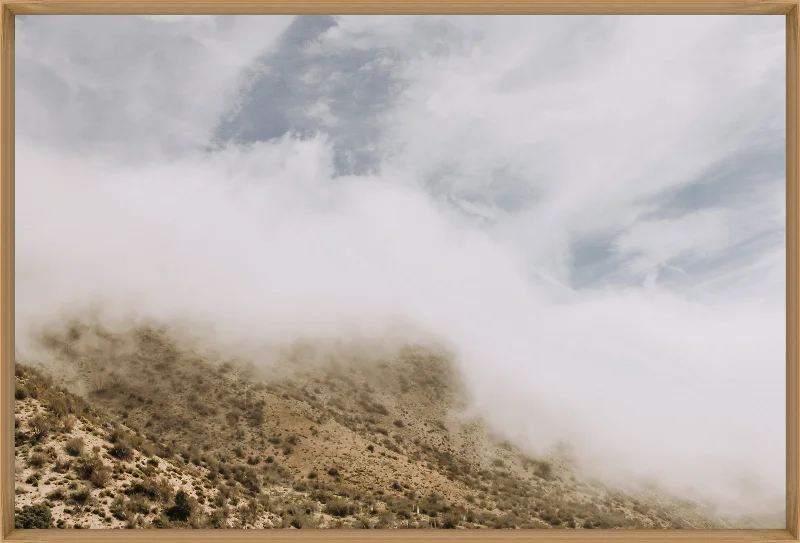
(340, 508)
(86, 466)
(38, 459)
(74, 446)
(182, 508)
(543, 470)
(117, 435)
(81, 496)
(39, 427)
(100, 477)
(117, 508)
(159, 490)
(62, 466)
(121, 450)
(33, 517)
(450, 522)
(59, 407)
(56, 495)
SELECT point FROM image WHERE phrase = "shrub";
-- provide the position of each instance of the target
(62, 466)
(154, 490)
(68, 423)
(182, 508)
(33, 517)
(148, 450)
(322, 496)
(81, 496)
(117, 435)
(56, 494)
(38, 459)
(121, 450)
(247, 477)
(402, 507)
(138, 504)
(39, 426)
(450, 522)
(340, 508)
(543, 470)
(59, 407)
(217, 519)
(100, 477)
(74, 446)
(117, 508)
(86, 466)
(333, 472)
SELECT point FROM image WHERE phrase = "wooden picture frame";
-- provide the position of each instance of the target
(9, 8)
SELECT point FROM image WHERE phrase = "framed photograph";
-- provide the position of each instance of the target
(425, 271)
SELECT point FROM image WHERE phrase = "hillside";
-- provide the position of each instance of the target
(141, 433)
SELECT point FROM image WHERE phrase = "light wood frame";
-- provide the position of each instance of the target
(9, 8)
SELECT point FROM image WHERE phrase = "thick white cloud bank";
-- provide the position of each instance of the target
(541, 205)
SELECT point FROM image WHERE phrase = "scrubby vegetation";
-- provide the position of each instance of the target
(166, 438)
(33, 516)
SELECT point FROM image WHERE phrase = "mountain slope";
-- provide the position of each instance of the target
(351, 441)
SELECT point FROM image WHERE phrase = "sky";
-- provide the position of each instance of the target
(588, 212)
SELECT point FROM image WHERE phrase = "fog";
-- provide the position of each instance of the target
(587, 211)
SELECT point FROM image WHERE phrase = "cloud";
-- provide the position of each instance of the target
(130, 86)
(558, 200)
